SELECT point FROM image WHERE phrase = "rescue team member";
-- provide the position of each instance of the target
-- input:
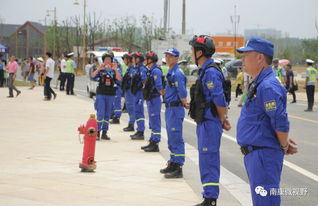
(70, 74)
(137, 82)
(279, 71)
(311, 78)
(152, 92)
(129, 97)
(116, 111)
(210, 118)
(108, 76)
(262, 129)
(175, 100)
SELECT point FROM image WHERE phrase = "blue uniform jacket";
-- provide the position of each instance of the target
(179, 89)
(110, 72)
(156, 77)
(264, 113)
(142, 72)
(212, 89)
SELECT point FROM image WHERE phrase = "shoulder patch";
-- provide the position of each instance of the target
(210, 85)
(155, 77)
(270, 106)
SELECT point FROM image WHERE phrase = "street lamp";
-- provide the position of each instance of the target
(84, 33)
(235, 21)
(16, 41)
(54, 29)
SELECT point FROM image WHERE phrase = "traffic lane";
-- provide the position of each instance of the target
(297, 110)
(303, 132)
(233, 160)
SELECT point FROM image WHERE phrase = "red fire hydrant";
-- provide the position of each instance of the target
(90, 133)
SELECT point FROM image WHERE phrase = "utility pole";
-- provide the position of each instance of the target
(84, 37)
(54, 29)
(184, 17)
(84, 33)
(166, 16)
(235, 22)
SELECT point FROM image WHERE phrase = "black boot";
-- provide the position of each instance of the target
(208, 202)
(153, 147)
(176, 171)
(98, 136)
(138, 136)
(104, 136)
(168, 168)
(144, 147)
(115, 120)
(130, 128)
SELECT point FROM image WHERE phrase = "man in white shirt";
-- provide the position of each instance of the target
(49, 74)
(63, 70)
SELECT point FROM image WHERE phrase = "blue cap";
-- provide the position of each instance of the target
(116, 61)
(173, 52)
(259, 45)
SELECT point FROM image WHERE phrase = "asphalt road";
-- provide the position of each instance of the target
(299, 171)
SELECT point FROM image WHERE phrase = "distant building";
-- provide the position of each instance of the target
(227, 44)
(23, 40)
(265, 33)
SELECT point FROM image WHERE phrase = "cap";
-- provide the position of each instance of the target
(218, 61)
(310, 61)
(70, 54)
(259, 45)
(275, 60)
(40, 59)
(173, 52)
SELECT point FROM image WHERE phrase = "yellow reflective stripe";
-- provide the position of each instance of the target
(117, 110)
(211, 184)
(158, 133)
(102, 121)
(140, 119)
(177, 155)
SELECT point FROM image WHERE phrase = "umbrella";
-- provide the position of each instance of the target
(283, 62)
(2, 48)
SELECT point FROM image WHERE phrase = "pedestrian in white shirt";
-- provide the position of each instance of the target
(49, 75)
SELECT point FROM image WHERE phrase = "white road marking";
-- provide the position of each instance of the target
(286, 163)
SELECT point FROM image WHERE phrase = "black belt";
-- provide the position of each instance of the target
(248, 149)
(173, 104)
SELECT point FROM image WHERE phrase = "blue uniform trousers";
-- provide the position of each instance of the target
(154, 110)
(264, 168)
(209, 135)
(103, 106)
(174, 119)
(139, 111)
(130, 105)
(116, 111)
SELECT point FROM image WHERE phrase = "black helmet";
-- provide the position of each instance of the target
(128, 56)
(203, 43)
(108, 54)
(153, 56)
(139, 55)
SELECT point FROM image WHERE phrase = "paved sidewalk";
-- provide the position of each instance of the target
(40, 153)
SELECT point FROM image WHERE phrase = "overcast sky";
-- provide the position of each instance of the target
(295, 17)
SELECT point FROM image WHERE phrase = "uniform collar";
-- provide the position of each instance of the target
(266, 72)
(140, 64)
(170, 71)
(153, 67)
(206, 63)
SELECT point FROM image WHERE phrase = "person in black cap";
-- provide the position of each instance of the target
(263, 126)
